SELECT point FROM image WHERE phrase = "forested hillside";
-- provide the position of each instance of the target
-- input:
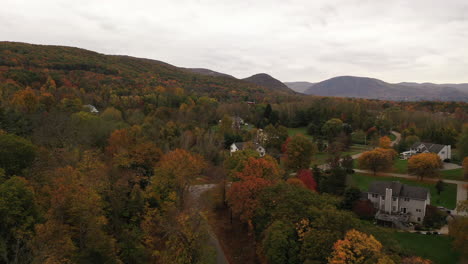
(101, 157)
(30, 65)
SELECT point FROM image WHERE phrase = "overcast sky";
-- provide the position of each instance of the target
(293, 40)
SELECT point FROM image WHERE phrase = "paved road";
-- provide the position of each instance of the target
(397, 139)
(195, 192)
(461, 189)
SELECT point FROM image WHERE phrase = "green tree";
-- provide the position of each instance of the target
(334, 182)
(18, 215)
(317, 245)
(280, 243)
(440, 186)
(351, 195)
(16, 153)
(332, 128)
(299, 151)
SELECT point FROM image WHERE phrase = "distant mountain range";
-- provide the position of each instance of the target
(28, 65)
(363, 87)
(299, 87)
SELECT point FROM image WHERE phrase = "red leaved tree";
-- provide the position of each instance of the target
(307, 178)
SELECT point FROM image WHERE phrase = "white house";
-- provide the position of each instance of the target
(397, 202)
(91, 108)
(236, 146)
(443, 151)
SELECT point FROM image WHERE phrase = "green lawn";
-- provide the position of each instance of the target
(434, 247)
(400, 166)
(448, 197)
(321, 157)
(456, 174)
(299, 130)
(392, 137)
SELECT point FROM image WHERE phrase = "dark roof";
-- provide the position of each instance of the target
(239, 145)
(399, 189)
(434, 148)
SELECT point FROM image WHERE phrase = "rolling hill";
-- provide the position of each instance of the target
(28, 65)
(265, 80)
(363, 87)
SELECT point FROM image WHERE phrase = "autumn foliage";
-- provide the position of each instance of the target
(385, 142)
(356, 248)
(379, 159)
(425, 165)
(307, 178)
(256, 175)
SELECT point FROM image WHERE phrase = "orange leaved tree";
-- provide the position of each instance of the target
(425, 164)
(385, 142)
(356, 247)
(175, 172)
(379, 159)
(256, 175)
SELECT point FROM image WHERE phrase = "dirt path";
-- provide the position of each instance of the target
(195, 193)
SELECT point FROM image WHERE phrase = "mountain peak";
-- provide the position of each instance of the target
(266, 80)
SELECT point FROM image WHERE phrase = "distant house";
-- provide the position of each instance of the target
(398, 203)
(237, 122)
(91, 108)
(236, 146)
(443, 151)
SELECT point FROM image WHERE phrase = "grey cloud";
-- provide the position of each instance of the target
(399, 40)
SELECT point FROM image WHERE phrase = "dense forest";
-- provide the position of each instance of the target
(99, 154)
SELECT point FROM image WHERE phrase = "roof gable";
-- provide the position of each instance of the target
(430, 147)
(399, 189)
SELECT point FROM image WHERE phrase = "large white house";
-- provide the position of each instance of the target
(236, 146)
(443, 151)
(395, 201)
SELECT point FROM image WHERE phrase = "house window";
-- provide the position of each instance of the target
(375, 195)
(406, 199)
(393, 208)
(403, 210)
(419, 219)
(394, 199)
(418, 210)
(443, 152)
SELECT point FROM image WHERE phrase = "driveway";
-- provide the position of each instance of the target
(451, 166)
(397, 138)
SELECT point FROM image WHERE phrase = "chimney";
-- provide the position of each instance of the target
(388, 200)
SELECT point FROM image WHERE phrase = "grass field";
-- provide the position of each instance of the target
(392, 137)
(321, 157)
(448, 197)
(456, 174)
(299, 130)
(433, 247)
(400, 166)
